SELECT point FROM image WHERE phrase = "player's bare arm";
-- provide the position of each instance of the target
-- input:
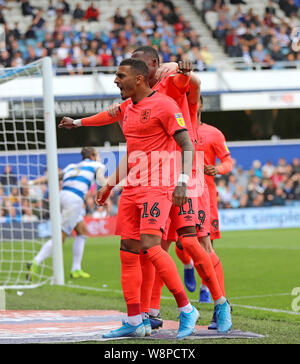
(186, 77)
(182, 138)
(185, 67)
(210, 170)
(224, 168)
(113, 110)
(195, 89)
(164, 69)
(68, 123)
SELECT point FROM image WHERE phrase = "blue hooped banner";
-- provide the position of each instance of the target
(260, 218)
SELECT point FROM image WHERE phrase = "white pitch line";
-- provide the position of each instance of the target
(261, 247)
(196, 301)
(267, 309)
(260, 296)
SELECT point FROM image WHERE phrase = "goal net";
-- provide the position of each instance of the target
(29, 213)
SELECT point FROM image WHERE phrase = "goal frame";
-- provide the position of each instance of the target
(45, 65)
(52, 166)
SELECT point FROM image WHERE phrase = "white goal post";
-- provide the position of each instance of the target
(28, 149)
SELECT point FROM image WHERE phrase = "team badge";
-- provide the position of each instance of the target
(145, 115)
(180, 119)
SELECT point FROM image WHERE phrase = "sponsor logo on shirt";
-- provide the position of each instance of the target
(180, 119)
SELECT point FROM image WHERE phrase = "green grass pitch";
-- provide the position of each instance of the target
(261, 270)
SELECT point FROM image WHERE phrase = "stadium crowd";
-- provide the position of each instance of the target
(261, 186)
(265, 40)
(160, 24)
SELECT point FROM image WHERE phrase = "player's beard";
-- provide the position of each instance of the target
(126, 92)
(123, 97)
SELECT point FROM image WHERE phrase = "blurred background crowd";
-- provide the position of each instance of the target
(261, 186)
(160, 24)
(262, 39)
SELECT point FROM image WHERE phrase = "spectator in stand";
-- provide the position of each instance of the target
(244, 201)
(51, 10)
(38, 22)
(259, 53)
(289, 7)
(130, 18)
(78, 13)
(232, 44)
(118, 18)
(206, 56)
(28, 215)
(30, 33)
(27, 9)
(256, 166)
(279, 197)
(62, 7)
(15, 32)
(5, 58)
(249, 40)
(296, 165)
(105, 56)
(8, 179)
(92, 13)
(276, 53)
(258, 201)
(270, 8)
(268, 169)
(288, 189)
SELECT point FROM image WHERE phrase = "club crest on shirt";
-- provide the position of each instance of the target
(180, 119)
(145, 115)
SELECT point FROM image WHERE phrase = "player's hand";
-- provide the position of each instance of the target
(165, 69)
(185, 67)
(102, 195)
(67, 123)
(179, 196)
(113, 110)
(210, 170)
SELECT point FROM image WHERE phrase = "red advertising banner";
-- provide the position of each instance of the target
(102, 226)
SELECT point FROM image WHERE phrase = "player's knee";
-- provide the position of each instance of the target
(205, 243)
(165, 244)
(81, 229)
(130, 245)
(148, 241)
(179, 245)
(187, 230)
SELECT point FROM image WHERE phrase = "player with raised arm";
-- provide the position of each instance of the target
(76, 181)
(184, 88)
(149, 126)
(176, 86)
